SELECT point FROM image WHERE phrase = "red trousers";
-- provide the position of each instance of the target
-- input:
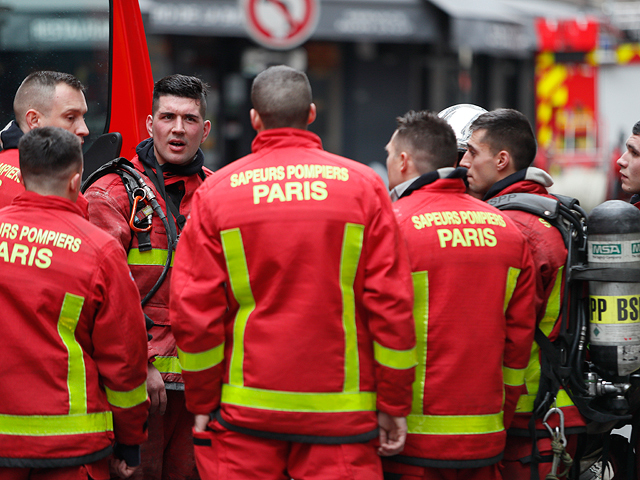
(96, 471)
(519, 448)
(168, 453)
(225, 455)
(400, 471)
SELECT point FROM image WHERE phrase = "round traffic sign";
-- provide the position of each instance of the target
(281, 24)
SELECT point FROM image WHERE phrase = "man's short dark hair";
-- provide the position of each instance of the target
(49, 155)
(282, 97)
(182, 86)
(37, 90)
(510, 130)
(429, 138)
(636, 129)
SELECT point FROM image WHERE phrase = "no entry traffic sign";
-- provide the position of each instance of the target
(281, 24)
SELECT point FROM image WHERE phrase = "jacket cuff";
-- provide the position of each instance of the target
(129, 453)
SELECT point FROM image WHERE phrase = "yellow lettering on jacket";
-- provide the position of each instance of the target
(43, 237)
(290, 191)
(257, 175)
(466, 237)
(10, 172)
(463, 217)
(25, 255)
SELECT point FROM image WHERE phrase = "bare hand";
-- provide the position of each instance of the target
(156, 391)
(201, 422)
(393, 433)
(119, 467)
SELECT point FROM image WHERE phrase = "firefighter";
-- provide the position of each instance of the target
(73, 336)
(43, 99)
(500, 152)
(291, 306)
(458, 419)
(629, 163)
(171, 162)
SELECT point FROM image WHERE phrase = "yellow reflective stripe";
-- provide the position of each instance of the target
(398, 359)
(196, 362)
(76, 371)
(421, 319)
(241, 289)
(127, 399)
(532, 374)
(298, 401)
(351, 250)
(167, 365)
(513, 377)
(51, 425)
(512, 280)
(155, 256)
(525, 402)
(455, 424)
(552, 311)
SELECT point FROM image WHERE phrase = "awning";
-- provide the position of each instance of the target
(402, 21)
(488, 26)
(500, 27)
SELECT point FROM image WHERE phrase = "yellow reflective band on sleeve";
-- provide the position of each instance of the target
(525, 402)
(455, 424)
(514, 377)
(196, 362)
(52, 425)
(76, 370)
(167, 365)
(241, 289)
(128, 399)
(351, 250)
(512, 280)
(552, 312)
(421, 319)
(155, 256)
(398, 359)
(297, 401)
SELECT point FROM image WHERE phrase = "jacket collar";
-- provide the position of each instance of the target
(430, 177)
(10, 136)
(531, 174)
(285, 137)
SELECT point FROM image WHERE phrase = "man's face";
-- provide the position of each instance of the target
(68, 108)
(629, 164)
(481, 164)
(177, 129)
(393, 162)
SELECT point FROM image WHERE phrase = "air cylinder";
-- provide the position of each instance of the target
(614, 331)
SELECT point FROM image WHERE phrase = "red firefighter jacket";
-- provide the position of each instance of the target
(549, 257)
(291, 301)
(474, 288)
(73, 338)
(109, 208)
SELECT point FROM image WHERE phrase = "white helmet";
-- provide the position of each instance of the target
(460, 117)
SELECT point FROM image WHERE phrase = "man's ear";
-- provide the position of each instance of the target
(256, 121)
(149, 124)
(33, 119)
(503, 161)
(313, 112)
(405, 158)
(73, 187)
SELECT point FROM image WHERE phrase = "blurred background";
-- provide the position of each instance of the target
(573, 67)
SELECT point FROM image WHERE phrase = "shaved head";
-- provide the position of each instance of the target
(282, 97)
(37, 91)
